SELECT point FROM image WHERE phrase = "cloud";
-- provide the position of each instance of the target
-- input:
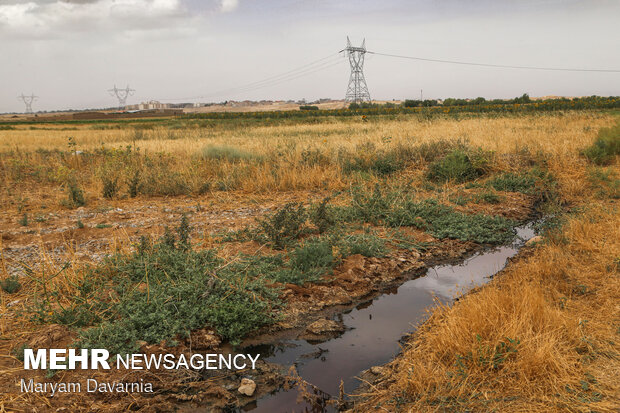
(229, 5)
(51, 18)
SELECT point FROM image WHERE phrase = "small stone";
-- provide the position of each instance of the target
(324, 326)
(534, 240)
(247, 387)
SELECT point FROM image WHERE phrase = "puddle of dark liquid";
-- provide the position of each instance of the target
(375, 328)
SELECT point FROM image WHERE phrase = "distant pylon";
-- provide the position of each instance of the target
(28, 101)
(357, 91)
(121, 95)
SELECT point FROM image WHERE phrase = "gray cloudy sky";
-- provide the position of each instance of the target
(69, 52)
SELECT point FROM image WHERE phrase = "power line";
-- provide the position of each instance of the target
(456, 62)
(278, 81)
(306, 69)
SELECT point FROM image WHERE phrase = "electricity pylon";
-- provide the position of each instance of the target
(28, 101)
(121, 95)
(357, 91)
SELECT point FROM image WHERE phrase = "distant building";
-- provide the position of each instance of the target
(151, 104)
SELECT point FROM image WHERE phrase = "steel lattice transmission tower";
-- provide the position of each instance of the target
(28, 101)
(121, 95)
(357, 91)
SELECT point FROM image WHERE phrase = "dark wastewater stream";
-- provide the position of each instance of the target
(375, 328)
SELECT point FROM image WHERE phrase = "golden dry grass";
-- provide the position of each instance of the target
(554, 133)
(558, 136)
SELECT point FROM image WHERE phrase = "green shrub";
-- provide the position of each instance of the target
(110, 187)
(480, 228)
(322, 216)
(429, 215)
(511, 182)
(312, 255)
(458, 166)
(606, 147)
(24, 220)
(134, 183)
(314, 157)
(164, 290)
(308, 263)
(285, 225)
(368, 245)
(535, 182)
(421, 215)
(427, 152)
(489, 197)
(605, 182)
(10, 284)
(371, 207)
(75, 195)
(227, 153)
(368, 159)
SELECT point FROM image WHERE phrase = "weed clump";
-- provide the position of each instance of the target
(75, 195)
(284, 226)
(441, 221)
(164, 290)
(315, 254)
(606, 147)
(368, 159)
(322, 216)
(368, 245)
(535, 182)
(10, 284)
(227, 153)
(458, 166)
(605, 182)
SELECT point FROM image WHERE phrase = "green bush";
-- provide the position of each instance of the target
(285, 225)
(489, 197)
(605, 182)
(313, 255)
(458, 166)
(368, 245)
(75, 195)
(480, 228)
(431, 151)
(314, 157)
(10, 284)
(421, 215)
(164, 290)
(322, 216)
(370, 207)
(227, 153)
(110, 186)
(606, 147)
(511, 182)
(535, 182)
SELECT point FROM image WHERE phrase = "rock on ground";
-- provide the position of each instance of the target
(247, 387)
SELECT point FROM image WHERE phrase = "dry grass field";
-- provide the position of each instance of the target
(274, 217)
